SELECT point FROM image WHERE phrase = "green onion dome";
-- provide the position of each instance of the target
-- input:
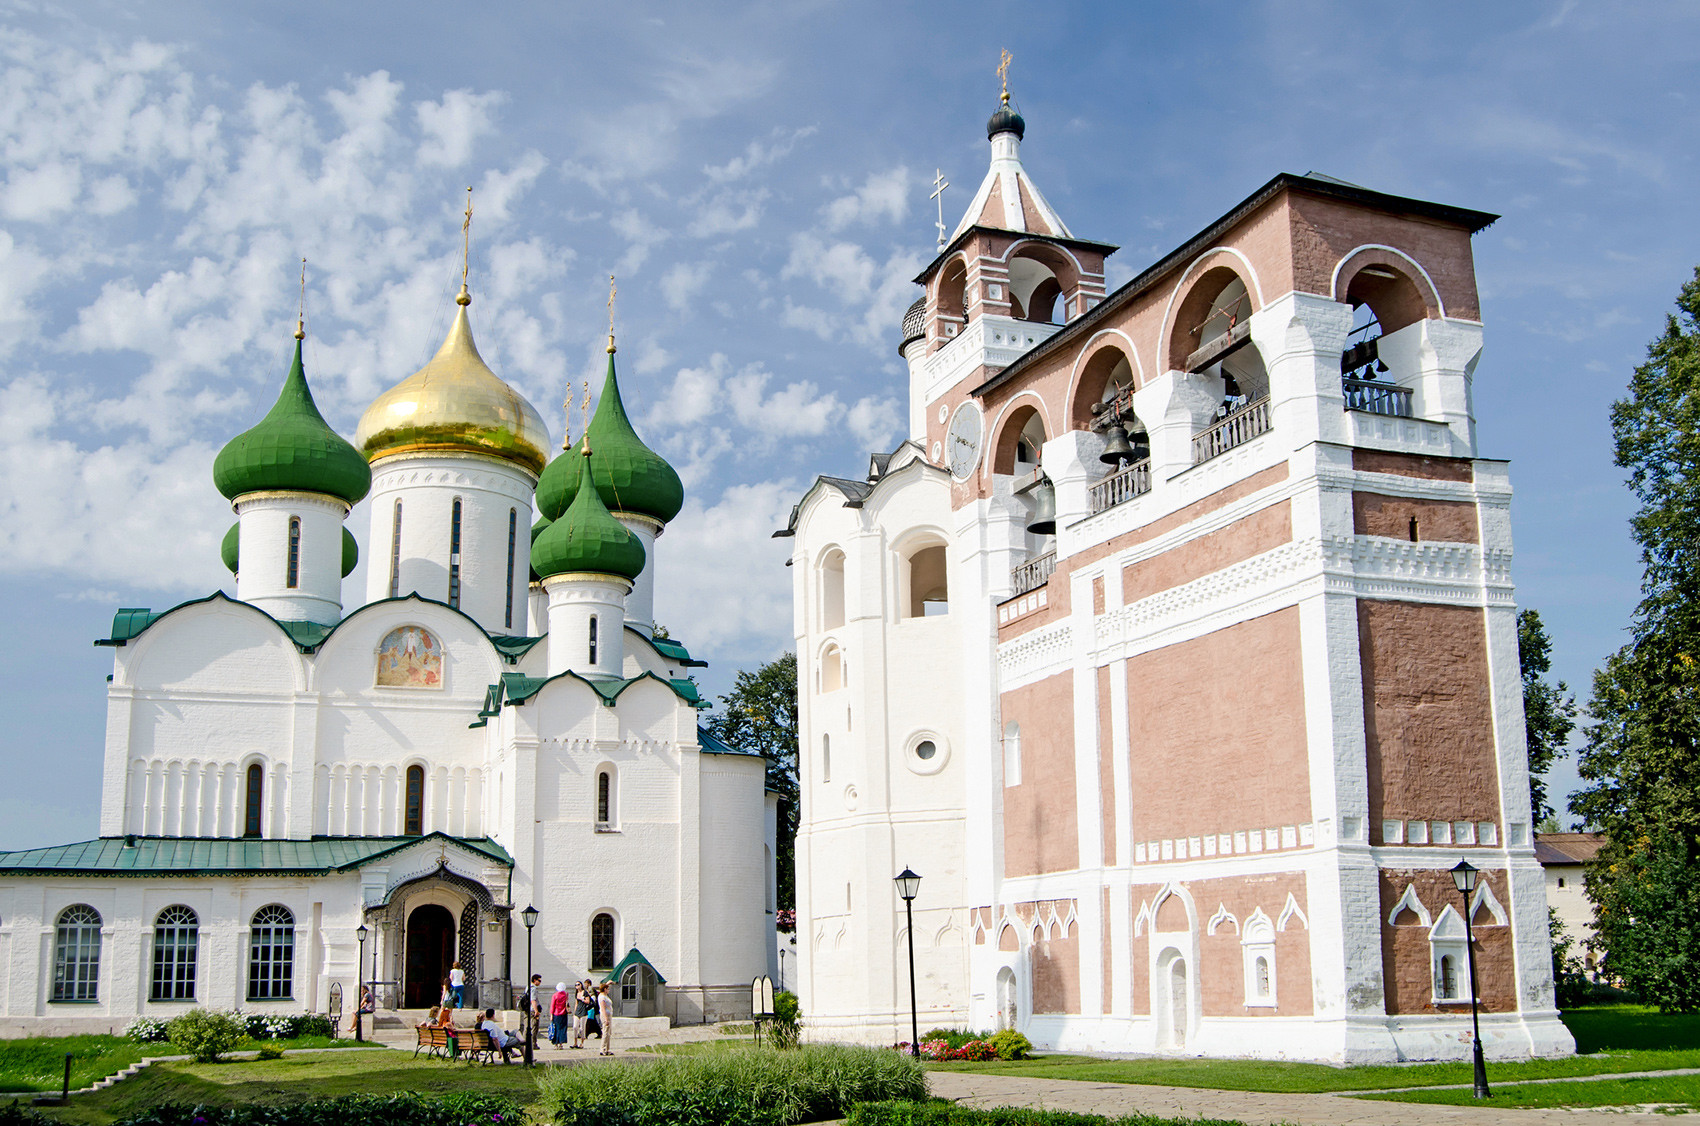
(586, 539)
(537, 530)
(293, 449)
(629, 475)
(228, 550)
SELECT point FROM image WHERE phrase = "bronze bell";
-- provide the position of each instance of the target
(1043, 522)
(1117, 449)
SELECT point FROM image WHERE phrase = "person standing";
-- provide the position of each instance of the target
(533, 1007)
(559, 1026)
(581, 1012)
(605, 1015)
(457, 983)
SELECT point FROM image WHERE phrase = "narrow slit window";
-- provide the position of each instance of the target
(513, 538)
(395, 553)
(251, 807)
(604, 799)
(293, 579)
(454, 555)
(593, 639)
(415, 822)
(1414, 529)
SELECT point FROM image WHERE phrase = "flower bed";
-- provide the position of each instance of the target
(973, 1047)
(345, 1110)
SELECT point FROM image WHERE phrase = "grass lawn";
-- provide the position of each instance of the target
(1673, 1090)
(38, 1063)
(293, 1079)
(1611, 1038)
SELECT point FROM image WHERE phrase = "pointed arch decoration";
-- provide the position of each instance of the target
(1222, 917)
(1485, 898)
(1291, 910)
(1409, 901)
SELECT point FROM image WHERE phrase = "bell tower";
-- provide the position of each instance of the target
(1008, 277)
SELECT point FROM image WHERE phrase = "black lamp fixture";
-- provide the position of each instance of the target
(909, 886)
(360, 990)
(1464, 875)
(529, 917)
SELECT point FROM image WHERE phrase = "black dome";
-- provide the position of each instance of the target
(914, 324)
(1006, 120)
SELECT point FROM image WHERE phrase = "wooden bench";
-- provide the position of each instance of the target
(475, 1044)
(434, 1041)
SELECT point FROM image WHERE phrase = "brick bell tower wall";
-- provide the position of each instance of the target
(1241, 765)
(1040, 815)
(1428, 715)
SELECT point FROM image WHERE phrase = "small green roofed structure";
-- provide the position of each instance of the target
(631, 477)
(229, 549)
(586, 539)
(634, 957)
(292, 448)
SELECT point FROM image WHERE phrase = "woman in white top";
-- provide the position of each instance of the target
(457, 985)
(605, 1014)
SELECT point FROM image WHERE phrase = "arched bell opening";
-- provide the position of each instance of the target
(952, 304)
(1385, 300)
(1042, 282)
(1103, 402)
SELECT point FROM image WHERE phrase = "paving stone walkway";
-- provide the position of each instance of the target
(1251, 1107)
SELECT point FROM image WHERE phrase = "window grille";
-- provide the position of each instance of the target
(454, 555)
(176, 938)
(415, 818)
(293, 579)
(271, 954)
(76, 954)
(254, 804)
(513, 540)
(395, 553)
(602, 942)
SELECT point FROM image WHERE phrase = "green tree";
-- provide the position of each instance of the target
(1640, 759)
(1549, 710)
(760, 714)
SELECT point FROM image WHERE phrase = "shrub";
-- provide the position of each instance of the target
(740, 1087)
(145, 1030)
(391, 1110)
(271, 1050)
(941, 1113)
(1010, 1044)
(204, 1034)
(16, 1113)
(953, 1037)
(786, 1028)
(311, 1024)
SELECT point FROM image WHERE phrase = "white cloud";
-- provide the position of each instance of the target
(871, 295)
(757, 155)
(683, 282)
(721, 579)
(884, 195)
(453, 125)
(797, 409)
(876, 422)
(727, 212)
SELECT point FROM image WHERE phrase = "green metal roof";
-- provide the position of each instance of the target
(629, 475)
(634, 957)
(216, 856)
(671, 649)
(130, 622)
(517, 688)
(714, 746)
(293, 447)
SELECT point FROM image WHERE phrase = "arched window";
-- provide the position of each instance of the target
(293, 578)
(1012, 754)
(395, 553)
(1447, 983)
(76, 954)
(414, 822)
(826, 758)
(513, 539)
(1257, 941)
(831, 669)
(454, 554)
(606, 796)
(602, 942)
(271, 954)
(928, 587)
(593, 639)
(176, 934)
(253, 805)
(1446, 943)
(832, 590)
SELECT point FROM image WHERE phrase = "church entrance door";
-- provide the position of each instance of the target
(430, 953)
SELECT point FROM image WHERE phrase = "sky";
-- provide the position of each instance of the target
(757, 175)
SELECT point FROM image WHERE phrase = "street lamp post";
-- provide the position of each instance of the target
(1464, 879)
(360, 986)
(530, 917)
(909, 886)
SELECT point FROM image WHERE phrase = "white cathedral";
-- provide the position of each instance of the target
(299, 800)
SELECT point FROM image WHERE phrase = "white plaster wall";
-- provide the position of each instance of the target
(427, 487)
(573, 601)
(263, 555)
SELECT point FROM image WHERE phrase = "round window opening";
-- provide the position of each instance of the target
(926, 749)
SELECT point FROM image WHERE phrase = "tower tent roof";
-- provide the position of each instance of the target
(292, 448)
(1008, 200)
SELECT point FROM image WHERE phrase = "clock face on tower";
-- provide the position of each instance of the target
(962, 443)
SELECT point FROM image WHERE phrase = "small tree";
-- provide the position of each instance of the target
(1549, 712)
(1642, 758)
(205, 1033)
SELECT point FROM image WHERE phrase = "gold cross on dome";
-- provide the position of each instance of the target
(567, 413)
(301, 314)
(585, 411)
(1003, 73)
(612, 290)
(466, 233)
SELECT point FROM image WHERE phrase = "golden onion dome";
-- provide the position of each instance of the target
(455, 404)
